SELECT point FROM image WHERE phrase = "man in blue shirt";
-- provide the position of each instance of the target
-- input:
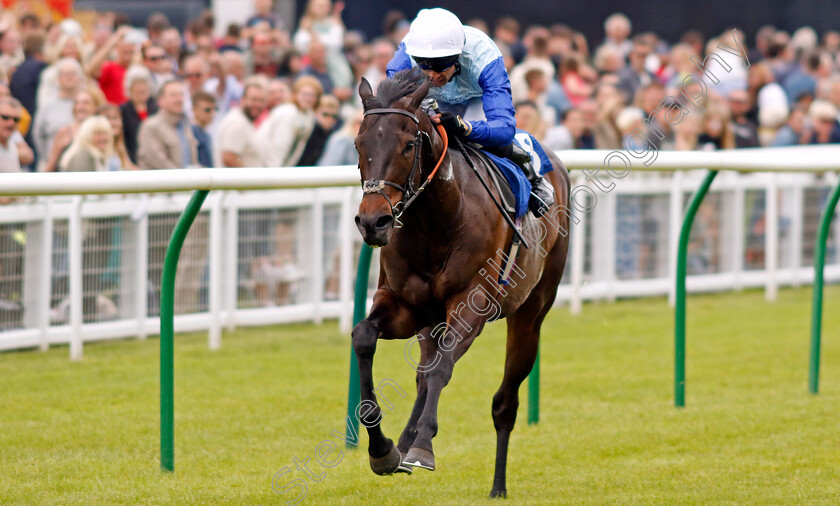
(204, 110)
(470, 83)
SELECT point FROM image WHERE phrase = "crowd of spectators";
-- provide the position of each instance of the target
(108, 96)
(274, 93)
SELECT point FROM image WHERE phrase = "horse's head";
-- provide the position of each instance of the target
(391, 143)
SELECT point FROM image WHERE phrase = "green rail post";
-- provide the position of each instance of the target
(354, 394)
(167, 308)
(679, 310)
(817, 303)
(534, 392)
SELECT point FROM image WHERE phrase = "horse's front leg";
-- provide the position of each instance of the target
(392, 319)
(450, 343)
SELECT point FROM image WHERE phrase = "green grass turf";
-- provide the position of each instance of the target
(87, 433)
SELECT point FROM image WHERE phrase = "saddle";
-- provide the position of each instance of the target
(499, 180)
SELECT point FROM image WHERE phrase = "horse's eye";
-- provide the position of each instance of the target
(408, 147)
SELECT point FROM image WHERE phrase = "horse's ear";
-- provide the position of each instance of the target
(365, 91)
(420, 94)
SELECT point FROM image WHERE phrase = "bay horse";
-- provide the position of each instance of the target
(438, 248)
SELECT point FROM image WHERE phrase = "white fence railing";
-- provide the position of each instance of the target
(626, 246)
(260, 257)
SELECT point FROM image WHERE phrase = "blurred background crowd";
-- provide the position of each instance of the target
(101, 94)
(99, 91)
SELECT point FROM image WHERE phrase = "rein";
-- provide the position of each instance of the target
(408, 190)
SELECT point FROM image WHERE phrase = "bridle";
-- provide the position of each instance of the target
(409, 191)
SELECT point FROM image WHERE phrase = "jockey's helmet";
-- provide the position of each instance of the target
(435, 37)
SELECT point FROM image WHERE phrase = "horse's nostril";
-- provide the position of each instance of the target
(358, 221)
(384, 221)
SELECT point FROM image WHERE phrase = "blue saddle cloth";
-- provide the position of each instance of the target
(517, 180)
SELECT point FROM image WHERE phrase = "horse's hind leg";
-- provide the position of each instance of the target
(449, 345)
(388, 317)
(410, 432)
(522, 345)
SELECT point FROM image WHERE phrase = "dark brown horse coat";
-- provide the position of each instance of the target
(438, 278)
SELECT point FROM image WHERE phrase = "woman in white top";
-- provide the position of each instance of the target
(67, 46)
(84, 106)
(284, 134)
(91, 148)
(322, 21)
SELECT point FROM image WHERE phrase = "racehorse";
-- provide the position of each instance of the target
(440, 236)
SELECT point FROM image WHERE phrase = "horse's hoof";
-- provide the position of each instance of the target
(387, 464)
(417, 457)
(498, 494)
(404, 468)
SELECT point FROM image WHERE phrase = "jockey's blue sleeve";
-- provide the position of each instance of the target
(400, 61)
(500, 125)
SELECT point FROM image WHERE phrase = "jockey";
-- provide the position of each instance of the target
(469, 81)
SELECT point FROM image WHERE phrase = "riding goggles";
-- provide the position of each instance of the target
(437, 64)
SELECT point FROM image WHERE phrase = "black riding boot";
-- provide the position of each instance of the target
(542, 193)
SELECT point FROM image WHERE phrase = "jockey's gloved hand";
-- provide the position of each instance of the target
(454, 124)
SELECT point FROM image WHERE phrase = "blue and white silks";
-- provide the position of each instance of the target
(483, 77)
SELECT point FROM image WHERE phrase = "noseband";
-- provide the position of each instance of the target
(410, 193)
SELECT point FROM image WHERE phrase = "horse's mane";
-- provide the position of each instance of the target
(403, 84)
